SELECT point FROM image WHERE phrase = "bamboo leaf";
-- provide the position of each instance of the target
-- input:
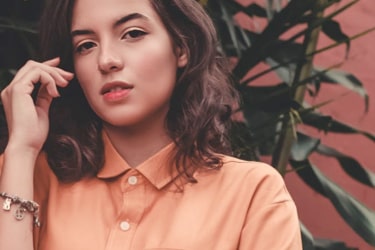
(345, 79)
(326, 244)
(17, 25)
(333, 30)
(6, 76)
(242, 141)
(359, 217)
(274, 99)
(227, 16)
(307, 238)
(328, 124)
(350, 165)
(251, 10)
(303, 147)
(283, 21)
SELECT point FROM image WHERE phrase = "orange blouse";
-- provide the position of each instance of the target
(245, 205)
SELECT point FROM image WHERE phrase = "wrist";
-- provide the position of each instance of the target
(19, 152)
(17, 146)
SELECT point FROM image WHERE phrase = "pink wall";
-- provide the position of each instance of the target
(316, 212)
(349, 109)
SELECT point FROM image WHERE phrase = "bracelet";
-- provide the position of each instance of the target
(23, 207)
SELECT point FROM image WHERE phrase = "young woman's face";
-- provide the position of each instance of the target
(124, 59)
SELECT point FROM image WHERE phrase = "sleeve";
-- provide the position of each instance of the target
(1, 162)
(272, 220)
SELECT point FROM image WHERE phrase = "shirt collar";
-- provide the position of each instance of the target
(158, 169)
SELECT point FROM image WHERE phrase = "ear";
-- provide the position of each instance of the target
(182, 57)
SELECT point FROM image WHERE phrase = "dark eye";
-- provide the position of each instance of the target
(84, 47)
(134, 34)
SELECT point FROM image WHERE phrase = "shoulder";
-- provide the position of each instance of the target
(233, 165)
(256, 180)
(250, 171)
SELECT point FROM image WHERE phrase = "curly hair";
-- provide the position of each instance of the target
(200, 106)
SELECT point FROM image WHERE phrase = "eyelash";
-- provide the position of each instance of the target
(83, 47)
(134, 35)
(138, 33)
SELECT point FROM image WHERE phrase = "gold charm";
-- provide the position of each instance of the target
(6, 204)
(19, 214)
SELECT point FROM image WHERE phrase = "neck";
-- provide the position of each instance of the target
(136, 145)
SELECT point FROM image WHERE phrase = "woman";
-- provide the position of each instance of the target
(128, 152)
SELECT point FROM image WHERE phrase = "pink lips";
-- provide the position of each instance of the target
(115, 91)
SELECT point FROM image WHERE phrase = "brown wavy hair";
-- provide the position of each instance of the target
(200, 106)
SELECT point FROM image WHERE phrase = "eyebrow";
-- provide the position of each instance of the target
(120, 21)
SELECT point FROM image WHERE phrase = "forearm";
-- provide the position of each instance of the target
(17, 179)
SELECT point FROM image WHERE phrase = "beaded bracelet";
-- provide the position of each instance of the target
(23, 207)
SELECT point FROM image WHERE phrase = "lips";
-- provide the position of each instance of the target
(116, 86)
(114, 92)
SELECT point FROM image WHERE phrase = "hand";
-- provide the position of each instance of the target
(27, 121)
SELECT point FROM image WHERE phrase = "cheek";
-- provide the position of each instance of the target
(157, 63)
(158, 76)
(83, 74)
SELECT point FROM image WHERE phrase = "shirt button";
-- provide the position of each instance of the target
(132, 180)
(125, 226)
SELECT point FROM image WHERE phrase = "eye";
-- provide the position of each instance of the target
(82, 48)
(134, 34)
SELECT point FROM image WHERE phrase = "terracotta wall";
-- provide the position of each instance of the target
(316, 212)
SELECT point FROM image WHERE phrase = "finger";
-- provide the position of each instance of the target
(47, 66)
(60, 80)
(29, 65)
(44, 99)
(52, 62)
(65, 74)
(26, 84)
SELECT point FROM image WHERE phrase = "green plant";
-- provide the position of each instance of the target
(272, 112)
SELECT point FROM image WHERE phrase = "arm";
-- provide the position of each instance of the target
(28, 128)
(272, 220)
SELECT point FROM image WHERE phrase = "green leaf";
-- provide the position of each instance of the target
(255, 10)
(359, 217)
(273, 99)
(326, 244)
(251, 10)
(6, 76)
(307, 238)
(242, 141)
(345, 79)
(328, 124)
(283, 21)
(333, 30)
(350, 165)
(303, 147)
(227, 16)
(17, 25)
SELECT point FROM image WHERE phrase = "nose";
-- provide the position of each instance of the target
(109, 60)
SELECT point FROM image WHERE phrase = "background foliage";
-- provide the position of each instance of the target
(271, 112)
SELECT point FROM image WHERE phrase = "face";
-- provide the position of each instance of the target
(124, 60)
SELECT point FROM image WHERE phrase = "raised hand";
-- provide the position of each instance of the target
(28, 120)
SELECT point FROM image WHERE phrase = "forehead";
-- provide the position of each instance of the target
(88, 12)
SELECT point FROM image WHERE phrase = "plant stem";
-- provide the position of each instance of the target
(282, 150)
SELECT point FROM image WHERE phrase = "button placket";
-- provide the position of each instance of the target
(132, 180)
(124, 226)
